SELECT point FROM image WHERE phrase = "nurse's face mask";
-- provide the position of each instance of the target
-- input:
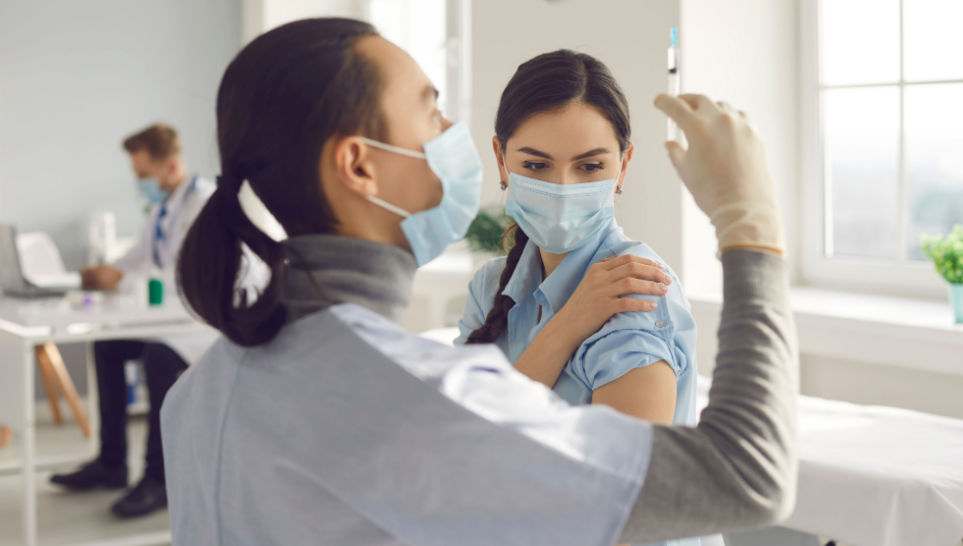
(560, 218)
(453, 158)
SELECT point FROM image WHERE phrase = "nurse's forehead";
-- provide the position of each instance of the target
(403, 83)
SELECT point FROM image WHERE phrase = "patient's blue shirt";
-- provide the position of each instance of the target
(627, 341)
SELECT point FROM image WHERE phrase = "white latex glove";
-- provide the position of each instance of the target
(726, 170)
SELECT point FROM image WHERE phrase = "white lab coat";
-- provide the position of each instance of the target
(138, 264)
(346, 429)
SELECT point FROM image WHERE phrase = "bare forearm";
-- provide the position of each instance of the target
(548, 353)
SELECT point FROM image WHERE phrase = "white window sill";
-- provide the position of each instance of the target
(909, 333)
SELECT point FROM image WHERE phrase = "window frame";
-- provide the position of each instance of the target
(458, 71)
(457, 56)
(895, 276)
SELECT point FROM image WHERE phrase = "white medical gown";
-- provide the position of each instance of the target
(345, 429)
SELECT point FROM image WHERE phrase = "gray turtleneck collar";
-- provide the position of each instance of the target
(325, 270)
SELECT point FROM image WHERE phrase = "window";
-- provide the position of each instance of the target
(883, 138)
(434, 32)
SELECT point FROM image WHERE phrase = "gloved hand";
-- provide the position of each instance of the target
(725, 168)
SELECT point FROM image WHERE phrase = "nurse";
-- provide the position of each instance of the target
(316, 419)
(562, 146)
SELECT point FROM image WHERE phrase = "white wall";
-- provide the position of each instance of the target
(76, 77)
(893, 382)
(744, 52)
(631, 38)
(882, 385)
(259, 16)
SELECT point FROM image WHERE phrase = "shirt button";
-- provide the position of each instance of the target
(660, 324)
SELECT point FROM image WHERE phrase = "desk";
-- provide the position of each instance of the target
(25, 324)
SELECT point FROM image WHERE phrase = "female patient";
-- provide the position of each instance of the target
(554, 305)
(562, 146)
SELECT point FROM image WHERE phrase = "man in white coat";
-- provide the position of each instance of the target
(176, 197)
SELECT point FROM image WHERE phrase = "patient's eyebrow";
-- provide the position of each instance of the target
(533, 151)
(590, 153)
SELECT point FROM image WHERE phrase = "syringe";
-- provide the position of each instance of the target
(674, 85)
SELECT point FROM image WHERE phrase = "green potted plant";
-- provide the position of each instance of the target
(947, 255)
(485, 233)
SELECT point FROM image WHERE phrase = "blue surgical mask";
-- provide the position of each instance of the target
(559, 218)
(453, 158)
(151, 190)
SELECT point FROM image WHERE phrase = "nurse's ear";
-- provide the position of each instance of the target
(500, 160)
(353, 167)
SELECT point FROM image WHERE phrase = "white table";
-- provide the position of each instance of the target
(876, 475)
(25, 324)
(868, 475)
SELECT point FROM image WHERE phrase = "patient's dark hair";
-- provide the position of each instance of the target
(280, 99)
(547, 82)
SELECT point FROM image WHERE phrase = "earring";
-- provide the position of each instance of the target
(504, 185)
(618, 190)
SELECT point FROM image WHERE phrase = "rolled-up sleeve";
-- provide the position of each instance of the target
(635, 340)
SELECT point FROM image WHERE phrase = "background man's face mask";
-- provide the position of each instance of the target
(559, 218)
(150, 189)
(453, 158)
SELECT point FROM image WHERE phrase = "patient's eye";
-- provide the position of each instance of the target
(534, 165)
(591, 167)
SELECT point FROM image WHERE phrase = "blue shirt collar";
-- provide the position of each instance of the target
(559, 286)
(527, 274)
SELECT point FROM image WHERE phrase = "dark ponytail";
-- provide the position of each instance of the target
(280, 99)
(544, 83)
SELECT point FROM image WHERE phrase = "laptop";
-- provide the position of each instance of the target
(13, 282)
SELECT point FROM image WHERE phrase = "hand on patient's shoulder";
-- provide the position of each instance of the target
(599, 294)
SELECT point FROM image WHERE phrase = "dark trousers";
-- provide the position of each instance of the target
(161, 367)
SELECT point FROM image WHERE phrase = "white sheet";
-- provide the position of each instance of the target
(869, 475)
(879, 476)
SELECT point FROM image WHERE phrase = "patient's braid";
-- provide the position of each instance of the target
(497, 319)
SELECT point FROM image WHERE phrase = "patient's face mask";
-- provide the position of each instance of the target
(453, 158)
(559, 218)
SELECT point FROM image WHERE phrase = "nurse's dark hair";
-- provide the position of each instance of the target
(548, 82)
(280, 99)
